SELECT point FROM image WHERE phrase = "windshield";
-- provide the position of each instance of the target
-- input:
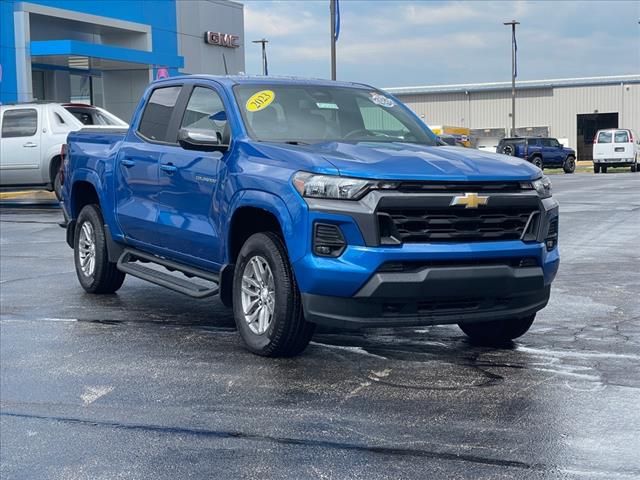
(307, 114)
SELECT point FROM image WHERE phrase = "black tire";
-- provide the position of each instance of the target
(603, 169)
(105, 277)
(57, 185)
(635, 167)
(596, 168)
(569, 165)
(497, 332)
(537, 161)
(289, 333)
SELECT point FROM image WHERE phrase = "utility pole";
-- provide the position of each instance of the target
(332, 8)
(514, 74)
(265, 68)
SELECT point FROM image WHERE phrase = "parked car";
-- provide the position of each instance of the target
(542, 152)
(92, 115)
(286, 197)
(31, 139)
(451, 140)
(616, 147)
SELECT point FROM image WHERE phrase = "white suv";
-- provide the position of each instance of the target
(616, 147)
(31, 139)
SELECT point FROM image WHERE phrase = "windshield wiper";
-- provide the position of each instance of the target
(296, 142)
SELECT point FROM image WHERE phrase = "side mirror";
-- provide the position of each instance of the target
(200, 140)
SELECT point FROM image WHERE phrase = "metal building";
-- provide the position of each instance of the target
(571, 110)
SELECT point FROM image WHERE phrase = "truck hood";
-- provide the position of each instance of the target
(404, 161)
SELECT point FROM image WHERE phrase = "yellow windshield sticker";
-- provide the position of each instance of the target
(260, 100)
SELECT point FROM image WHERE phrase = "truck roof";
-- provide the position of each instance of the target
(231, 80)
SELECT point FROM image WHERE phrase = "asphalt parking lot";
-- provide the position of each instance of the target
(150, 384)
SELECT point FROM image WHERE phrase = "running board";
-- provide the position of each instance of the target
(127, 264)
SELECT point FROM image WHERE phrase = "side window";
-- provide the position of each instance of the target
(621, 136)
(532, 142)
(604, 137)
(154, 124)
(20, 123)
(205, 111)
(546, 142)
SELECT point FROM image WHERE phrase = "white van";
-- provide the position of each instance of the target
(616, 147)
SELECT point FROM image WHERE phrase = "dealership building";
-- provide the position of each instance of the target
(106, 52)
(571, 110)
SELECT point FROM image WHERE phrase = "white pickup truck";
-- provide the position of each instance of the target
(31, 139)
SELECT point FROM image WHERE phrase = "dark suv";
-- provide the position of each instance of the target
(542, 152)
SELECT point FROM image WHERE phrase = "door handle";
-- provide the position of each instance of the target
(126, 162)
(30, 145)
(168, 168)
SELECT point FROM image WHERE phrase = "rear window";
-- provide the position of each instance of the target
(621, 136)
(154, 124)
(19, 123)
(604, 137)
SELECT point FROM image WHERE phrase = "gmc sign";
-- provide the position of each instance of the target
(222, 39)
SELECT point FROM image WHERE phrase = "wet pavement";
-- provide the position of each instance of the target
(150, 384)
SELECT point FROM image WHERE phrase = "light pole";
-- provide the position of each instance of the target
(265, 68)
(514, 74)
(333, 11)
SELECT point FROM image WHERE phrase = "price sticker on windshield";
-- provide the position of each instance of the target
(381, 100)
(260, 100)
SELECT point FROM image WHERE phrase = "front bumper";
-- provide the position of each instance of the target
(435, 295)
(445, 282)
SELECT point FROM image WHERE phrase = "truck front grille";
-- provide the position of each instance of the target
(419, 225)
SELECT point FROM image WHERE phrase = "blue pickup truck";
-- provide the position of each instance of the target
(542, 152)
(303, 202)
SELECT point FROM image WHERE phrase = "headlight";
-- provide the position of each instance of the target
(335, 187)
(542, 186)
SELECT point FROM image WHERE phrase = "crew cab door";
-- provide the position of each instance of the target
(137, 167)
(189, 181)
(20, 146)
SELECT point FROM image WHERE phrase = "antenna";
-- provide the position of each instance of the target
(224, 60)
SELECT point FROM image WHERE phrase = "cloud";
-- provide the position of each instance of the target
(278, 21)
(410, 43)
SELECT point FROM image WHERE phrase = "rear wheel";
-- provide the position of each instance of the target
(569, 165)
(57, 185)
(603, 169)
(266, 302)
(498, 331)
(596, 168)
(93, 268)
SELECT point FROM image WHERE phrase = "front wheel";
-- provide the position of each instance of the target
(93, 268)
(569, 165)
(266, 302)
(498, 331)
(596, 168)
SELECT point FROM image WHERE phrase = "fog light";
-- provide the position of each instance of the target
(328, 240)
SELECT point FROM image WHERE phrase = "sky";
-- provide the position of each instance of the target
(409, 43)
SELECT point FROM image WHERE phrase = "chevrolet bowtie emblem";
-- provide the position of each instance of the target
(469, 200)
